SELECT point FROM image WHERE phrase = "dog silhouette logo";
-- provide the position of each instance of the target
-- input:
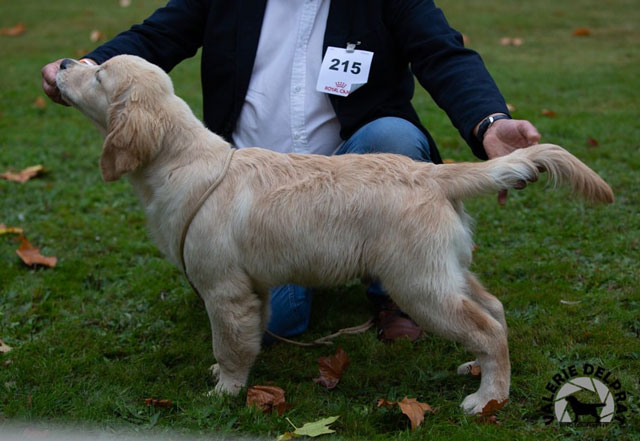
(596, 403)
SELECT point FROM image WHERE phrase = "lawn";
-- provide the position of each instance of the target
(113, 323)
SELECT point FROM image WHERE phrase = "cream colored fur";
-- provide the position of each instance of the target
(307, 219)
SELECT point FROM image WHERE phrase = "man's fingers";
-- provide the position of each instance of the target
(49, 85)
(529, 132)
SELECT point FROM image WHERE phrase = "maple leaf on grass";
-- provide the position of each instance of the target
(331, 369)
(316, 428)
(411, 407)
(489, 410)
(30, 255)
(267, 398)
(23, 175)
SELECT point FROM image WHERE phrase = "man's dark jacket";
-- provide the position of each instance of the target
(406, 36)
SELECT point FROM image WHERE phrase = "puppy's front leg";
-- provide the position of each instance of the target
(235, 314)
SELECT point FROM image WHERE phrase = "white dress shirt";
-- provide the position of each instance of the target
(282, 110)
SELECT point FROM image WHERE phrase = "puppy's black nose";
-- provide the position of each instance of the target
(65, 63)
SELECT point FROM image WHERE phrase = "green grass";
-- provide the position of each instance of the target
(114, 323)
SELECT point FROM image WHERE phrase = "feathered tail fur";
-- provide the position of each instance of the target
(464, 180)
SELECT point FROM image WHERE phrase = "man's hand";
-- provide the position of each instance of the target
(49, 86)
(506, 135)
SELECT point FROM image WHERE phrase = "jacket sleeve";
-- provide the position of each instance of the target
(454, 76)
(170, 35)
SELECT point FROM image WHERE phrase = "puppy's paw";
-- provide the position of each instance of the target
(228, 388)
(470, 368)
(475, 403)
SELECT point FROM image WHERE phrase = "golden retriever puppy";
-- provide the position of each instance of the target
(312, 220)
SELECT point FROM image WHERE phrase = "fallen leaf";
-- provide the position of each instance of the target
(492, 407)
(24, 175)
(548, 113)
(465, 40)
(9, 230)
(581, 32)
(511, 107)
(267, 398)
(96, 35)
(593, 142)
(508, 41)
(475, 370)
(4, 348)
(331, 369)
(14, 31)
(317, 428)
(448, 161)
(411, 407)
(30, 255)
(40, 103)
(125, 3)
(285, 436)
(487, 415)
(166, 404)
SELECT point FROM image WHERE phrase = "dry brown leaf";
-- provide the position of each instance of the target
(511, 107)
(23, 175)
(96, 35)
(411, 407)
(448, 161)
(40, 103)
(166, 404)
(492, 407)
(593, 142)
(549, 113)
(487, 415)
(267, 398)
(331, 369)
(4, 348)
(465, 40)
(581, 32)
(14, 31)
(30, 255)
(9, 230)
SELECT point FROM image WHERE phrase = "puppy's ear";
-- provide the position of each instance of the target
(132, 135)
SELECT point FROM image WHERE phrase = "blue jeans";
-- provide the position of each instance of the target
(291, 304)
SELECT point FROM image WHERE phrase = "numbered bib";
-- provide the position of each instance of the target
(343, 71)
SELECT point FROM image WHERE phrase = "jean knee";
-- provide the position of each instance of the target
(290, 310)
(389, 135)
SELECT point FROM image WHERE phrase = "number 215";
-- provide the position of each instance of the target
(355, 66)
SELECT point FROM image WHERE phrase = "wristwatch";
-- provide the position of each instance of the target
(488, 122)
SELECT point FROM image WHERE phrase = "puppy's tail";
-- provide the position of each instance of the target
(464, 180)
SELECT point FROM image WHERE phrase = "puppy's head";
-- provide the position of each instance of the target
(125, 97)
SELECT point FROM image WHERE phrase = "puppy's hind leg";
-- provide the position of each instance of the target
(458, 317)
(491, 304)
(236, 318)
